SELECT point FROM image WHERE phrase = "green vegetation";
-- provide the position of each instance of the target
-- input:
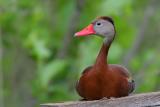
(42, 60)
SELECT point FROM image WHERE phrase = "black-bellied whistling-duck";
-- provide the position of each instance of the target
(102, 79)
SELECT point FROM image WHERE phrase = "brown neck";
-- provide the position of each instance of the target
(102, 56)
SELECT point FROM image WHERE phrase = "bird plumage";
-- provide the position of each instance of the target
(103, 79)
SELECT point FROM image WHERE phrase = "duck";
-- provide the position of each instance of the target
(103, 80)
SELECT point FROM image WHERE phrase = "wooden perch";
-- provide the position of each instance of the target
(138, 100)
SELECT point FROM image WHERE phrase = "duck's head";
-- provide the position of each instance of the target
(102, 26)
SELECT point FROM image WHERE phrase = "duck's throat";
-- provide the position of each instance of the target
(102, 56)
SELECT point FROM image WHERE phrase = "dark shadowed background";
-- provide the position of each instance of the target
(42, 61)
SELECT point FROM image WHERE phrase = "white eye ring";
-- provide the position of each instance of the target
(98, 23)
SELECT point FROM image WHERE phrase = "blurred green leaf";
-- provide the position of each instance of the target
(49, 71)
(114, 53)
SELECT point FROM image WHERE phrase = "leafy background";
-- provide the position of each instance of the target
(41, 60)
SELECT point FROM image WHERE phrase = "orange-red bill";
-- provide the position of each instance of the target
(89, 30)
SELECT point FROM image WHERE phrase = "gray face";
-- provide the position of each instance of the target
(104, 28)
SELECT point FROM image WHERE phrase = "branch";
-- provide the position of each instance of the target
(139, 100)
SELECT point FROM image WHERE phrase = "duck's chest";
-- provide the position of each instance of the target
(95, 84)
(99, 79)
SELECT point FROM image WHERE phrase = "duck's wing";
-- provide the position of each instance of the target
(77, 83)
(86, 70)
(123, 71)
(131, 86)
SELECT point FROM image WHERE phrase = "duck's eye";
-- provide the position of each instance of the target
(98, 24)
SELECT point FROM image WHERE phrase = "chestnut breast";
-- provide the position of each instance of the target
(105, 82)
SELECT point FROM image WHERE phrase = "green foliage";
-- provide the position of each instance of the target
(37, 44)
(50, 70)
